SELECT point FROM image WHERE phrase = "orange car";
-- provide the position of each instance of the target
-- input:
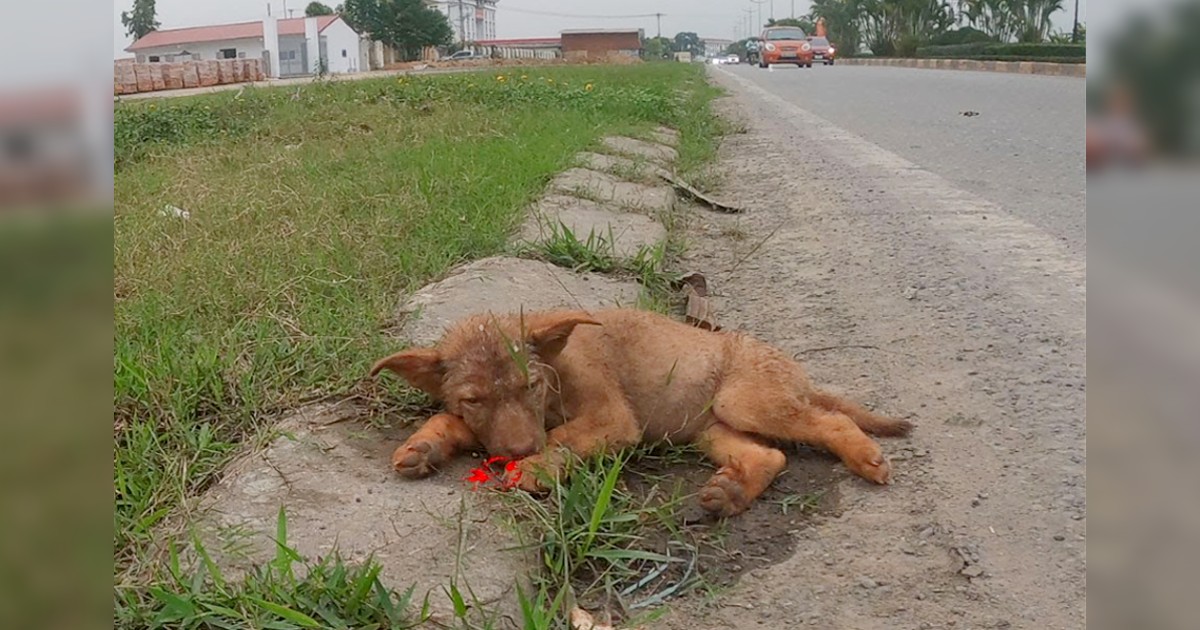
(785, 44)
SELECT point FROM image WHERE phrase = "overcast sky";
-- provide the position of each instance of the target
(526, 18)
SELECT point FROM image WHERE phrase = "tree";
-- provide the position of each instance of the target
(803, 24)
(657, 48)
(688, 42)
(406, 25)
(316, 8)
(141, 20)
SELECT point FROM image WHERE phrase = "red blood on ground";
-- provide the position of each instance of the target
(490, 474)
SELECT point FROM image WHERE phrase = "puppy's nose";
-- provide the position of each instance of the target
(523, 448)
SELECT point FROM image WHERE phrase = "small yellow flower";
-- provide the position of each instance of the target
(549, 80)
(524, 77)
(589, 87)
(501, 78)
(153, 106)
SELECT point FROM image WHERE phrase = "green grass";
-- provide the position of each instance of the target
(311, 212)
(602, 546)
(325, 593)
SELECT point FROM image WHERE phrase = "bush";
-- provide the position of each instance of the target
(1007, 52)
(964, 35)
(906, 45)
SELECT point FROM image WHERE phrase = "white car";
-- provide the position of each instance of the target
(734, 59)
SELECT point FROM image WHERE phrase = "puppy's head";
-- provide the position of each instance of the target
(492, 372)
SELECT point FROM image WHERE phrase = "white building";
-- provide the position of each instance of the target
(472, 20)
(292, 47)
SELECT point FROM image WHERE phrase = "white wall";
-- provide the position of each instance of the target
(253, 49)
(471, 30)
(340, 37)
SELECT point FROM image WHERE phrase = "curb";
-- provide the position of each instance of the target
(1015, 67)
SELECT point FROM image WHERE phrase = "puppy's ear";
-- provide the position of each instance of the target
(550, 332)
(421, 367)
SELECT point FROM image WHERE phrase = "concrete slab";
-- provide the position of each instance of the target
(625, 233)
(634, 170)
(640, 148)
(336, 483)
(508, 285)
(606, 188)
(666, 135)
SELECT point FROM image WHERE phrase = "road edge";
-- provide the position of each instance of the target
(1014, 67)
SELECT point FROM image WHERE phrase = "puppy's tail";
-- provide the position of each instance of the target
(868, 421)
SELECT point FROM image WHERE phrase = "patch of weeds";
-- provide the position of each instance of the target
(603, 548)
(327, 593)
(562, 247)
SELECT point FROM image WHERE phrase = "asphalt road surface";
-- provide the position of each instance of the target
(930, 264)
(1023, 151)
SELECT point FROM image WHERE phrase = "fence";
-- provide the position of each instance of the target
(132, 78)
(506, 52)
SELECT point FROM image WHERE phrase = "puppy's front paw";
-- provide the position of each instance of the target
(417, 458)
(724, 495)
(532, 474)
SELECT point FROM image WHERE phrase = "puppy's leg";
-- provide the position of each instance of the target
(439, 439)
(747, 468)
(774, 412)
(596, 431)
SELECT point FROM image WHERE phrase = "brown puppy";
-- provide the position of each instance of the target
(586, 382)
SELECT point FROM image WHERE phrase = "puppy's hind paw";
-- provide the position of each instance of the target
(723, 496)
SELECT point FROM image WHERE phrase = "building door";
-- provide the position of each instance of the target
(292, 62)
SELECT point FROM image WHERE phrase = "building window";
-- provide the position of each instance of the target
(153, 59)
(344, 53)
(227, 53)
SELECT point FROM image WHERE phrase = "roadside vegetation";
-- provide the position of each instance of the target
(1011, 30)
(263, 240)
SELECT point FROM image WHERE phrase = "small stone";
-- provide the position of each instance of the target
(867, 582)
(1059, 537)
(920, 597)
(972, 571)
(974, 502)
(908, 550)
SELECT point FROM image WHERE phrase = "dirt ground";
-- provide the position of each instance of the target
(927, 303)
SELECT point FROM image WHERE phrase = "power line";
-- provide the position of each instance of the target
(500, 7)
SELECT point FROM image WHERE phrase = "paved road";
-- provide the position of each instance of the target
(932, 265)
(1024, 151)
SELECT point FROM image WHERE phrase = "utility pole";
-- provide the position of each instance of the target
(1075, 27)
(462, 24)
(793, 13)
(658, 17)
(759, 4)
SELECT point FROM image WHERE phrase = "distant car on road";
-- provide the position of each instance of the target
(785, 44)
(734, 59)
(464, 54)
(823, 51)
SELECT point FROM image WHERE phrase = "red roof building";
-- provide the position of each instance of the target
(176, 37)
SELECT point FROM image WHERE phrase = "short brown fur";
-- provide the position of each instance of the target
(589, 382)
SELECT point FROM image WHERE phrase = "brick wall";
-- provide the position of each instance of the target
(131, 78)
(575, 45)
